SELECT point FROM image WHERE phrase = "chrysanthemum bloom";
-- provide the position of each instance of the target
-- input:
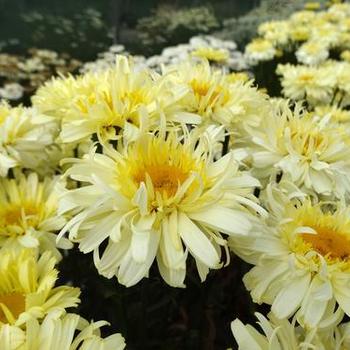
(283, 335)
(27, 288)
(24, 134)
(59, 332)
(63, 95)
(160, 197)
(314, 152)
(301, 258)
(259, 50)
(122, 100)
(342, 70)
(215, 98)
(315, 84)
(336, 114)
(276, 32)
(212, 55)
(28, 215)
(312, 53)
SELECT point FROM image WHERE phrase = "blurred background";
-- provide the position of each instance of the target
(82, 28)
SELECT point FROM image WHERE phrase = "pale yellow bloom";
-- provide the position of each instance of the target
(212, 55)
(161, 197)
(312, 150)
(259, 50)
(284, 335)
(304, 249)
(59, 332)
(24, 136)
(312, 53)
(27, 288)
(28, 214)
(315, 84)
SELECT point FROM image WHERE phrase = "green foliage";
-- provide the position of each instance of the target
(82, 34)
(169, 26)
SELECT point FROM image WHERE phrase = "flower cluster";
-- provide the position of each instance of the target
(171, 170)
(310, 35)
(222, 53)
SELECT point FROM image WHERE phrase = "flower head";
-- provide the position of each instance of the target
(315, 84)
(312, 152)
(162, 196)
(304, 248)
(211, 54)
(280, 334)
(59, 332)
(27, 288)
(28, 214)
(260, 50)
(24, 134)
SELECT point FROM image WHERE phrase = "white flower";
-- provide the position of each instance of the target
(13, 91)
(312, 53)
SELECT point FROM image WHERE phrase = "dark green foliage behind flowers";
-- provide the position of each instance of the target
(169, 26)
(82, 34)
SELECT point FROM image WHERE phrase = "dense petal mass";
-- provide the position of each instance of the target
(313, 153)
(301, 257)
(59, 331)
(27, 288)
(280, 334)
(28, 214)
(160, 197)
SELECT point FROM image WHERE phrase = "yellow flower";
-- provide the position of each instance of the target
(28, 214)
(24, 136)
(312, 53)
(63, 95)
(313, 151)
(280, 334)
(59, 332)
(345, 55)
(160, 197)
(259, 50)
(312, 6)
(211, 54)
(276, 32)
(304, 248)
(337, 114)
(315, 84)
(217, 99)
(27, 288)
(238, 76)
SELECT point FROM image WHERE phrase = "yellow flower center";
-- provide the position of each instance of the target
(11, 306)
(134, 98)
(165, 178)
(19, 215)
(305, 138)
(328, 242)
(331, 237)
(162, 165)
(200, 88)
(306, 78)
